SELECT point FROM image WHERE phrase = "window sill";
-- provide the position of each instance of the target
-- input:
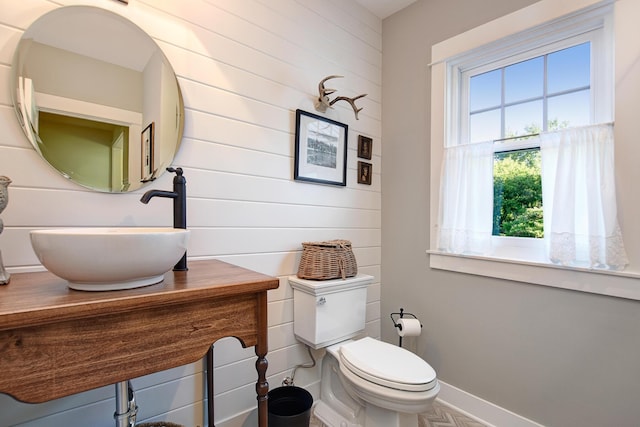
(620, 284)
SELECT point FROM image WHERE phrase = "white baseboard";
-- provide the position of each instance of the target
(481, 410)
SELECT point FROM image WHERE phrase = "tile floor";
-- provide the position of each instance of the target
(445, 416)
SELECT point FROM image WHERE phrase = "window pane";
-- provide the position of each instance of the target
(523, 119)
(484, 126)
(517, 194)
(485, 90)
(569, 68)
(524, 80)
(569, 110)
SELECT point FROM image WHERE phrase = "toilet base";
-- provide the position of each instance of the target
(379, 417)
(374, 417)
(328, 417)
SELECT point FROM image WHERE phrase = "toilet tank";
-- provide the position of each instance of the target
(329, 311)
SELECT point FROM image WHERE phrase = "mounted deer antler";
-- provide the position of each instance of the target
(323, 102)
(351, 101)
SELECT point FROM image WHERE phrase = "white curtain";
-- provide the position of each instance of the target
(579, 198)
(466, 199)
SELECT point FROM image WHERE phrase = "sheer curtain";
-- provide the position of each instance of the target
(578, 190)
(466, 199)
(579, 198)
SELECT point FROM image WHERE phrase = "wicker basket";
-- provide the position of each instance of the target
(332, 259)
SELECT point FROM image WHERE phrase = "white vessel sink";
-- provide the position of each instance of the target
(104, 259)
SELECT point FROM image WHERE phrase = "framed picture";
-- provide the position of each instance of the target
(364, 173)
(365, 145)
(320, 150)
(146, 141)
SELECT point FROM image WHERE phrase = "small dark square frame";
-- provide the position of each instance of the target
(365, 145)
(365, 170)
(320, 150)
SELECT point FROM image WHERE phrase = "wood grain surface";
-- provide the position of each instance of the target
(55, 341)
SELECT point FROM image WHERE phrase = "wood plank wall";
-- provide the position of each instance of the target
(244, 67)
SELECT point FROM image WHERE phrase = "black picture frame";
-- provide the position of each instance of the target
(147, 144)
(365, 170)
(365, 146)
(320, 150)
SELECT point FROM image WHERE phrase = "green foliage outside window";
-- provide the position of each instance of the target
(517, 189)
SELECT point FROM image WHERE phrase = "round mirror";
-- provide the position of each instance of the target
(97, 98)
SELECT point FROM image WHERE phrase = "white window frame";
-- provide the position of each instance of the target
(594, 31)
(593, 25)
(600, 84)
(540, 24)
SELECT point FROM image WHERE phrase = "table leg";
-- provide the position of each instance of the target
(210, 393)
(262, 386)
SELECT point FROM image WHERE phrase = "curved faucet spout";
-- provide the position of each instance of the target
(157, 193)
(179, 196)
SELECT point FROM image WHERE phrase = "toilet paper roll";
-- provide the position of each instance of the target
(409, 327)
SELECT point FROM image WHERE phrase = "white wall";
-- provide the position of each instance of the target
(561, 358)
(244, 67)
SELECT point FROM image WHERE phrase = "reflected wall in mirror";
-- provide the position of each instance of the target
(87, 86)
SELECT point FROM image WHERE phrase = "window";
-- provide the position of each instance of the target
(500, 95)
(545, 92)
(506, 94)
(509, 104)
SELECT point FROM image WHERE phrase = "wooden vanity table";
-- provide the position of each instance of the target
(55, 341)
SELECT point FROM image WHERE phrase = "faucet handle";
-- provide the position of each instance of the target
(178, 171)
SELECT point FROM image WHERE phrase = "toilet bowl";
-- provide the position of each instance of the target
(387, 385)
(365, 382)
(387, 376)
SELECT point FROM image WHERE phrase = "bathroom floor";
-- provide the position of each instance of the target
(440, 416)
(445, 416)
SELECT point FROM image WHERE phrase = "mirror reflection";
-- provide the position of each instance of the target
(97, 98)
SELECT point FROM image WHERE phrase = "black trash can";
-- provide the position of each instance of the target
(289, 406)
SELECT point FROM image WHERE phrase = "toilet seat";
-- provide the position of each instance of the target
(387, 365)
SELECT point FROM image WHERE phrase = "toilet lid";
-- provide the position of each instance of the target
(387, 365)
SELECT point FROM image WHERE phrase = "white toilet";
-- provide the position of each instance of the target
(365, 382)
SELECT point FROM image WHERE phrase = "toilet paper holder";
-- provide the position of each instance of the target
(401, 315)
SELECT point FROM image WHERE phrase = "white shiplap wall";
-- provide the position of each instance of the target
(244, 67)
